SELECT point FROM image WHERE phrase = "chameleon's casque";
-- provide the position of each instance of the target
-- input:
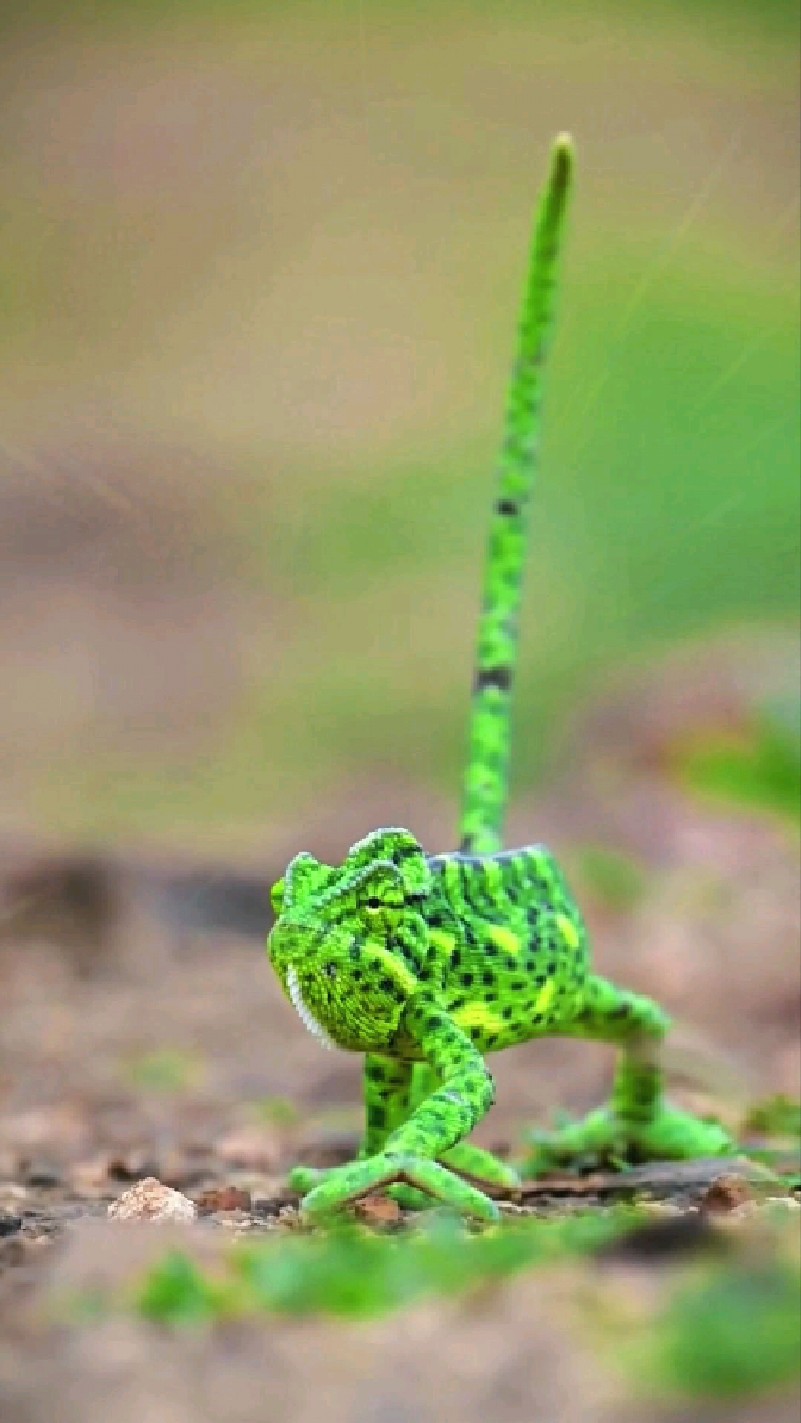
(427, 963)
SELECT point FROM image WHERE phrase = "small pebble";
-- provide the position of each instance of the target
(223, 1198)
(378, 1210)
(152, 1200)
(9, 1224)
(726, 1193)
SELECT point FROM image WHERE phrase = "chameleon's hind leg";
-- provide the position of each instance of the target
(637, 1124)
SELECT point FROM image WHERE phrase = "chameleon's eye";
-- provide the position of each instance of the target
(373, 905)
(330, 970)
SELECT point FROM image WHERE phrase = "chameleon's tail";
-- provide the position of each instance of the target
(486, 782)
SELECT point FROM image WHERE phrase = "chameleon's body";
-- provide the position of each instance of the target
(425, 963)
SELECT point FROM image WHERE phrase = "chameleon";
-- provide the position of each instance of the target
(428, 963)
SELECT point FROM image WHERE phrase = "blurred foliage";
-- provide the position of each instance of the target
(758, 769)
(614, 878)
(733, 1334)
(763, 14)
(276, 1112)
(349, 1271)
(288, 239)
(164, 1072)
(722, 1325)
(778, 1116)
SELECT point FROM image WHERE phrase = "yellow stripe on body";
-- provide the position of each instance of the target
(504, 938)
(394, 966)
(442, 939)
(478, 1015)
(545, 996)
(569, 932)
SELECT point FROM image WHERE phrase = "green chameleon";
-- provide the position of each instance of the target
(426, 963)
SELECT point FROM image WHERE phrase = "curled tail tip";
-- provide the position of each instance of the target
(563, 161)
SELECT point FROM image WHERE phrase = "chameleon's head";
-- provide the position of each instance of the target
(347, 938)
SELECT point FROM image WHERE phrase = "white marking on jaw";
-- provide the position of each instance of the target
(303, 1010)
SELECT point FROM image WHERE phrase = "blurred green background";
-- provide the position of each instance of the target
(260, 268)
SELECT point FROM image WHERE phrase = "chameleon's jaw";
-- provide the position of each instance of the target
(303, 1010)
(345, 999)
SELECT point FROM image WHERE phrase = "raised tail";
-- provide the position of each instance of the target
(486, 784)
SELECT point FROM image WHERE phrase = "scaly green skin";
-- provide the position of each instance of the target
(425, 964)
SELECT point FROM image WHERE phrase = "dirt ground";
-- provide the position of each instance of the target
(134, 1042)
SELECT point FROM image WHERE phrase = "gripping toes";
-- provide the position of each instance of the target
(482, 1167)
(344, 1185)
(606, 1138)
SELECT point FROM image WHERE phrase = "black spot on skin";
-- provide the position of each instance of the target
(488, 977)
(508, 507)
(456, 958)
(388, 986)
(467, 980)
(500, 677)
(378, 1117)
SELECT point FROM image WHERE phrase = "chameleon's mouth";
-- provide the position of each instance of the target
(303, 1010)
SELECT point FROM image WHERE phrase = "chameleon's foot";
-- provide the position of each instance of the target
(480, 1167)
(335, 1189)
(606, 1139)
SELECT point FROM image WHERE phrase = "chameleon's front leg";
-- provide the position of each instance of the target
(411, 1148)
(392, 1089)
(387, 1098)
(474, 1162)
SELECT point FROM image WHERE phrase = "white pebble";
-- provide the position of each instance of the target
(152, 1200)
